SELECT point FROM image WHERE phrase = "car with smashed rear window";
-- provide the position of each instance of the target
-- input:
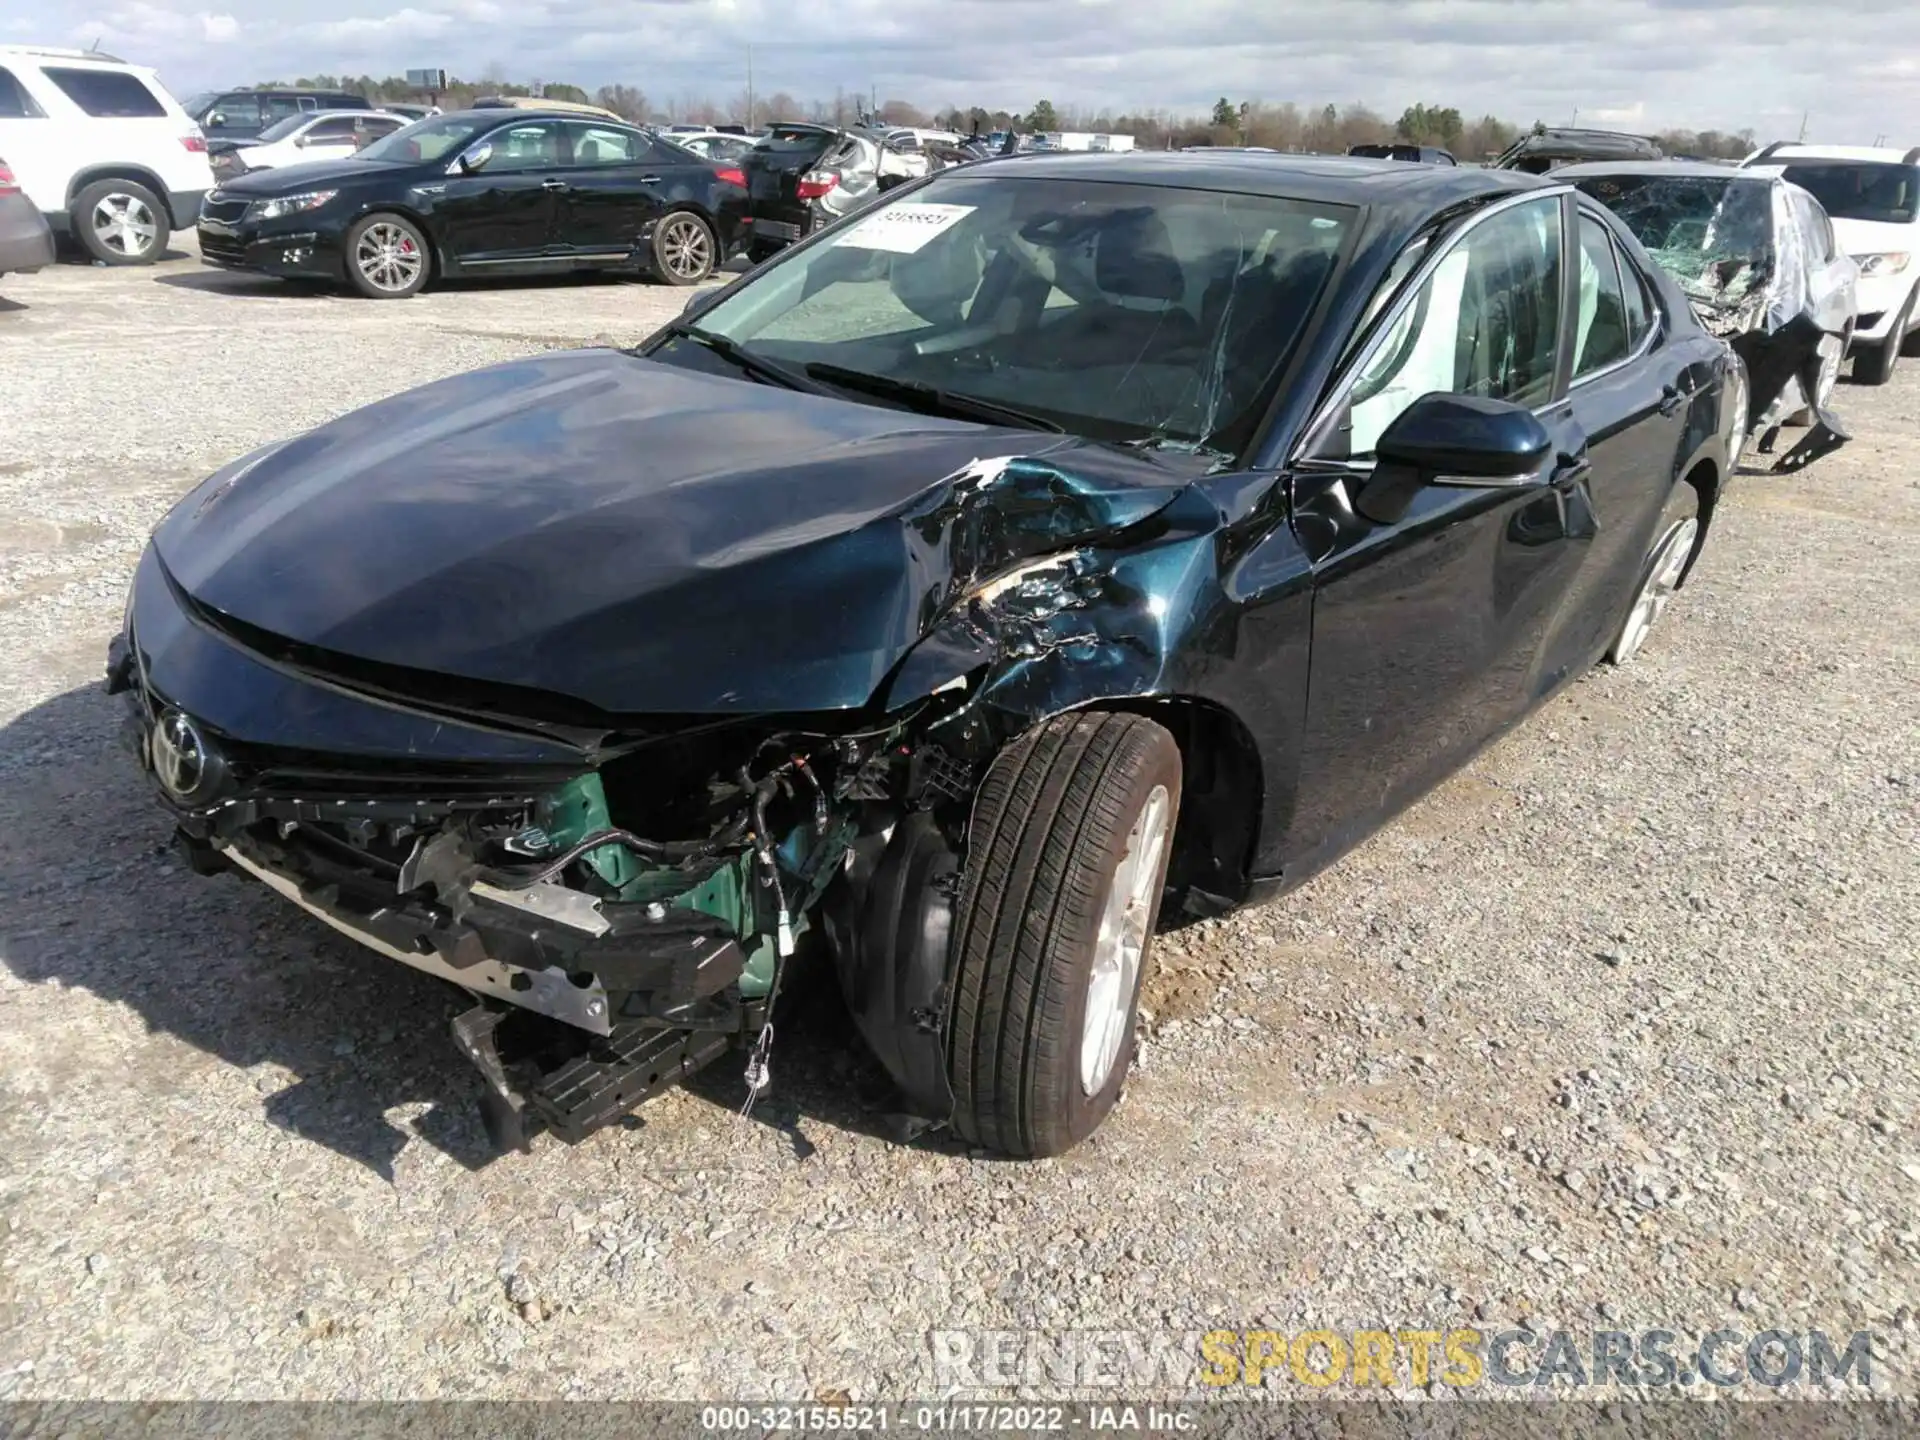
(1062, 547)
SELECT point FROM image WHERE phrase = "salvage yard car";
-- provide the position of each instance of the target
(803, 177)
(1758, 259)
(476, 193)
(1055, 545)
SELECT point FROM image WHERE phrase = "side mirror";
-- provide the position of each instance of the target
(302, 142)
(706, 297)
(1444, 439)
(216, 118)
(475, 160)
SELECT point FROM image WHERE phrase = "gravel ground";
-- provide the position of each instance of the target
(1616, 1029)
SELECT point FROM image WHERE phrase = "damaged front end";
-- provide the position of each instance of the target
(624, 899)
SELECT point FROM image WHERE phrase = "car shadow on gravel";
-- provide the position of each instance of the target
(98, 899)
(246, 285)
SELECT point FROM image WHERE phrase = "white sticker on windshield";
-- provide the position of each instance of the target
(903, 229)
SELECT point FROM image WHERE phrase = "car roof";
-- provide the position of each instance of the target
(1687, 169)
(1332, 179)
(54, 54)
(368, 113)
(1786, 154)
(517, 115)
(282, 90)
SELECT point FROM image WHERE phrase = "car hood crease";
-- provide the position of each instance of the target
(638, 537)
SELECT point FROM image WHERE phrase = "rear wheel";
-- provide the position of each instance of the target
(684, 250)
(1739, 411)
(1675, 539)
(761, 251)
(120, 222)
(386, 257)
(1067, 856)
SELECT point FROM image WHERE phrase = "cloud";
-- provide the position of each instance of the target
(1724, 64)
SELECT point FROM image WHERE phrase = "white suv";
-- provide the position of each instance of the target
(1872, 195)
(102, 148)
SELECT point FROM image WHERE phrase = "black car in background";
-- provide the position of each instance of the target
(482, 192)
(1051, 540)
(1413, 154)
(783, 184)
(1548, 148)
(242, 114)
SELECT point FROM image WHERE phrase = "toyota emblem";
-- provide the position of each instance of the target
(186, 766)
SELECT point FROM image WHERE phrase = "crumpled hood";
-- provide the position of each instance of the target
(639, 537)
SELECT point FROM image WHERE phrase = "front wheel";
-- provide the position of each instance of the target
(1875, 366)
(1066, 859)
(684, 249)
(386, 257)
(1675, 539)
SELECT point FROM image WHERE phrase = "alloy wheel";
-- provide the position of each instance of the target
(125, 224)
(685, 249)
(1663, 578)
(388, 257)
(1122, 942)
(1739, 407)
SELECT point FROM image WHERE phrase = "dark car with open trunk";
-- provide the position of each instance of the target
(1058, 547)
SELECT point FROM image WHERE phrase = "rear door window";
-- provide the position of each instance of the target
(110, 94)
(15, 102)
(240, 111)
(1603, 336)
(335, 130)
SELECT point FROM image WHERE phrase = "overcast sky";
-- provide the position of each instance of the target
(1652, 64)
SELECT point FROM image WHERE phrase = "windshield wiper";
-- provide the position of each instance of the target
(929, 399)
(769, 370)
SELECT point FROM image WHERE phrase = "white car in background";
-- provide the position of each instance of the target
(1872, 196)
(102, 149)
(714, 145)
(328, 135)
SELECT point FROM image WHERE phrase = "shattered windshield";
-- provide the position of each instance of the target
(1713, 234)
(1851, 190)
(1121, 312)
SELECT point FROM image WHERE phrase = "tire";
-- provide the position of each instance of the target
(1875, 366)
(761, 251)
(386, 257)
(1676, 544)
(684, 249)
(1054, 824)
(120, 222)
(1740, 406)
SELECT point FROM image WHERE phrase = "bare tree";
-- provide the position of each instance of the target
(625, 101)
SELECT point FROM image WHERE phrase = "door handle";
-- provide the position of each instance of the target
(649, 180)
(553, 184)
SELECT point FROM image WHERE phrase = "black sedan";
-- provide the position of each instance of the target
(1060, 545)
(482, 192)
